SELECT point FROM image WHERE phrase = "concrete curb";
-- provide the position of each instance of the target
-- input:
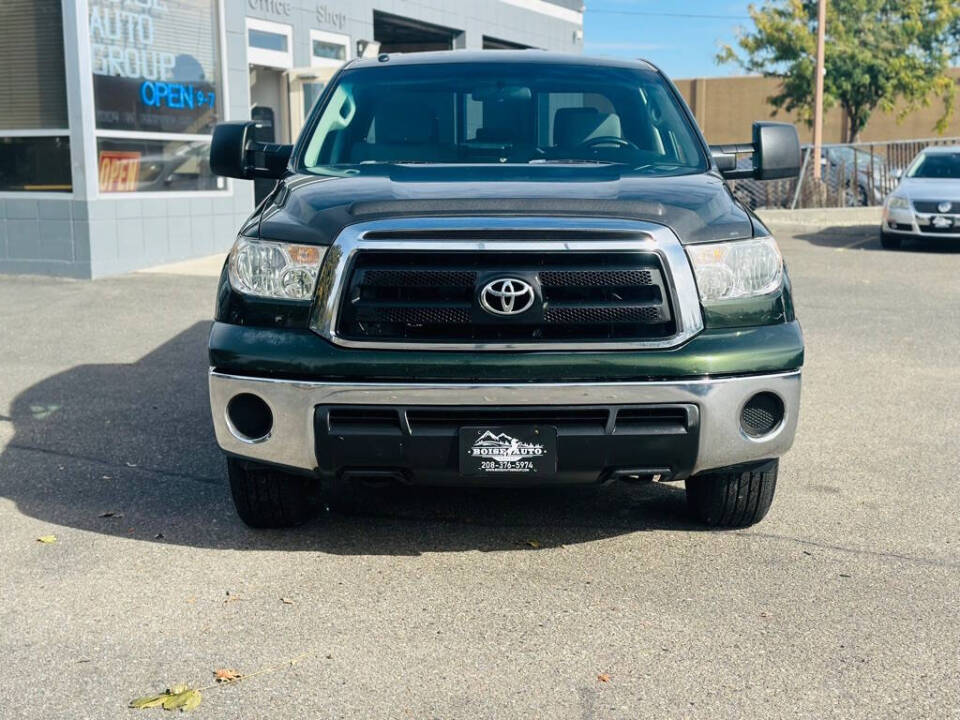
(823, 217)
(208, 266)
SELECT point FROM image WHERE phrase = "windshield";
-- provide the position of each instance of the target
(503, 113)
(937, 165)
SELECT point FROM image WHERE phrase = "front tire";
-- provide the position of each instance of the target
(733, 498)
(890, 242)
(269, 498)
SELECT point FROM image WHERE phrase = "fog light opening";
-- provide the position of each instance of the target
(250, 417)
(761, 415)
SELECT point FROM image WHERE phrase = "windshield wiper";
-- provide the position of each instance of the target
(571, 161)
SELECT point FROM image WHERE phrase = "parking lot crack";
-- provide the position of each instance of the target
(932, 562)
(114, 466)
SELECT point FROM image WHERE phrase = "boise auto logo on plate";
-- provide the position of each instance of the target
(504, 448)
(507, 296)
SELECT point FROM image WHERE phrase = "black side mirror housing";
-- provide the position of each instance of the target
(235, 153)
(775, 149)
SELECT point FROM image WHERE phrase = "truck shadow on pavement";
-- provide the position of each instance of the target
(128, 450)
(867, 237)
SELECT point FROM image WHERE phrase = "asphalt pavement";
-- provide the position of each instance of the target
(577, 603)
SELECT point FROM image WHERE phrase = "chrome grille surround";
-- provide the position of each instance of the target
(626, 235)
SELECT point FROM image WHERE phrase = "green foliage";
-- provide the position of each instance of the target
(878, 52)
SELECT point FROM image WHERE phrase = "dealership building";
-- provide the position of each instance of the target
(109, 106)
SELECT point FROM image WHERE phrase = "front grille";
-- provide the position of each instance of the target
(449, 420)
(930, 206)
(939, 231)
(433, 296)
(446, 421)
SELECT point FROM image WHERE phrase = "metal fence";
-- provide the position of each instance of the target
(852, 175)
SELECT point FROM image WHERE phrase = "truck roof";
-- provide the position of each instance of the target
(941, 149)
(531, 56)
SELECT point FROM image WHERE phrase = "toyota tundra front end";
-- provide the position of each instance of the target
(498, 269)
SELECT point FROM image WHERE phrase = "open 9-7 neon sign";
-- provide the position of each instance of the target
(177, 96)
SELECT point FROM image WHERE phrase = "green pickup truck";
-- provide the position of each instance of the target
(503, 268)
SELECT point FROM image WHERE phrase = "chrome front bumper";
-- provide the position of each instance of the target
(917, 221)
(720, 400)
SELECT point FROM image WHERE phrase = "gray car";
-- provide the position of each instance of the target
(926, 203)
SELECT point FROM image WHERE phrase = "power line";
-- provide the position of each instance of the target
(653, 13)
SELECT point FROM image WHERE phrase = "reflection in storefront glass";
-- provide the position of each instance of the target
(39, 164)
(155, 166)
(329, 50)
(155, 65)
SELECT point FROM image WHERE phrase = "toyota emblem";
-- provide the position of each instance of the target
(507, 296)
(944, 207)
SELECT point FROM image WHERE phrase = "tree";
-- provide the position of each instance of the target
(878, 53)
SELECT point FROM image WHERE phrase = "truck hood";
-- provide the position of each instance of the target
(308, 208)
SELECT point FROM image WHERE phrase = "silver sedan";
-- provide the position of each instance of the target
(926, 203)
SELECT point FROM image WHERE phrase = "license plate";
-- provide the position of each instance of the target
(514, 449)
(938, 221)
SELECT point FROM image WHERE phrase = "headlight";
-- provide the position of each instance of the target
(898, 201)
(736, 269)
(274, 269)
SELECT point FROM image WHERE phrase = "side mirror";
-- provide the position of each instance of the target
(234, 153)
(775, 149)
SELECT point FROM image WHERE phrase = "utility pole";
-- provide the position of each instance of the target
(818, 93)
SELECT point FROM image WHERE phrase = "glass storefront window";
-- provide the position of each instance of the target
(34, 153)
(267, 40)
(156, 65)
(33, 89)
(155, 166)
(329, 50)
(39, 164)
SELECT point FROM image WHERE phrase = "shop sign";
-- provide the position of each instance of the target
(326, 16)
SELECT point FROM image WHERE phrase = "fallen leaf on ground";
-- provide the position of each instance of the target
(130, 464)
(47, 539)
(533, 543)
(603, 677)
(286, 601)
(226, 675)
(111, 514)
(186, 700)
(147, 701)
(178, 697)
